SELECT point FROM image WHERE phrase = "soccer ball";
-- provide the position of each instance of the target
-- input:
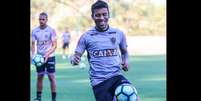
(126, 92)
(38, 60)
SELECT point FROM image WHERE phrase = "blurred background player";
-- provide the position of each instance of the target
(103, 44)
(65, 43)
(44, 37)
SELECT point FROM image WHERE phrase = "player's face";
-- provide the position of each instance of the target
(42, 20)
(100, 18)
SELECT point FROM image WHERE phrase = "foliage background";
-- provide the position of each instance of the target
(134, 17)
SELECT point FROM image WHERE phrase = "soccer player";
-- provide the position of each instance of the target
(65, 41)
(44, 37)
(107, 53)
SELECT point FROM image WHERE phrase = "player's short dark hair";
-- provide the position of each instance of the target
(99, 4)
(45, 14)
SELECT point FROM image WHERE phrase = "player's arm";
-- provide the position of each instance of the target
(33, 44)
(80, 48)
(124, 57)
(51, 50)
(32, 50)
(124, 52)
(54, 45)
(75, 59)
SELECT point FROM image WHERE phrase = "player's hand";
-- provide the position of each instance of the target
(45, 58)
(125, 66)
(75, 60)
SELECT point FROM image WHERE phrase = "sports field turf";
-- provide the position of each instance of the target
(147, 73)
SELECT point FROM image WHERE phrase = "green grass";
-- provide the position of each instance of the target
(147, 73)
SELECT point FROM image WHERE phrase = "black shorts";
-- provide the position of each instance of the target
(48, 67)
(65, 45)
(105, 90)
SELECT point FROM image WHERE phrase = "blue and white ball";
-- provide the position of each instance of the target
(38, 60)
(126, 92)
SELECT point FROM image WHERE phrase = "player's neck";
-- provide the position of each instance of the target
(102, 30)
(43, 27)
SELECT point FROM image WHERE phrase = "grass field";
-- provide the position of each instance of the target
(147, 73)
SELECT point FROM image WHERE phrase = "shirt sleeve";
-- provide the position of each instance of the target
(123, 42)
(53, 35)
(33, 37)
(81, 45)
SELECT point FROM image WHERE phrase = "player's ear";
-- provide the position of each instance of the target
(92, 16)
(108, 14)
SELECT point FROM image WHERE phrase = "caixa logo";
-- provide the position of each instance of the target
(43, 42)
(105, 53)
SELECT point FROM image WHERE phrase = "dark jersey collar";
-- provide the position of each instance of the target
(102, 30)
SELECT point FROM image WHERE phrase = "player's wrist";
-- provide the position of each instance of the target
(73, 60)
(48, 53)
